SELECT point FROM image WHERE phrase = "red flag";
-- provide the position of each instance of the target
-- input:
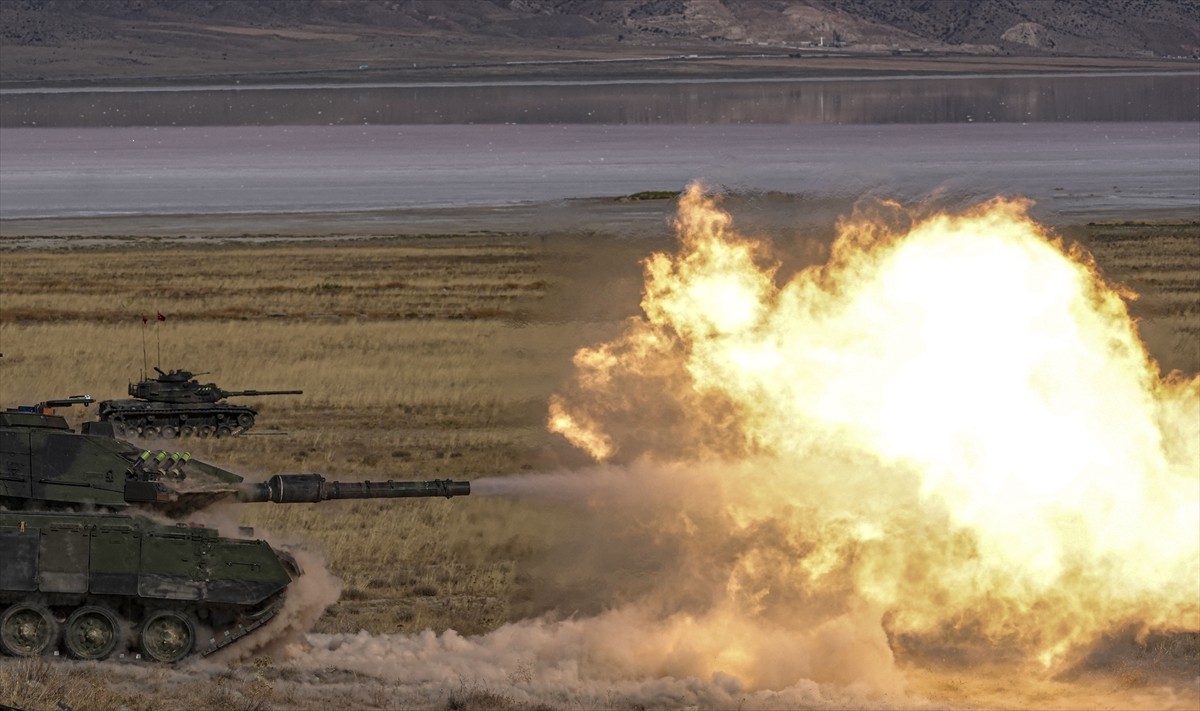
(161, 317)
(145, 320)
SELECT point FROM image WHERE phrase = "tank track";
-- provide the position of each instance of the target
(103, 627)
(219, 641)
(177, 422)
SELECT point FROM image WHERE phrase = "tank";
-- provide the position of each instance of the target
(175, 404)
(98, 559)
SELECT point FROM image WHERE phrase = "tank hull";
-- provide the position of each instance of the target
(153, 420)
(95, 586)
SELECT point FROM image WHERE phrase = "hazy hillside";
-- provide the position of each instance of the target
(61, 39)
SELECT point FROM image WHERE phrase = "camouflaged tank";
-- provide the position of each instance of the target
(175, 404)
(98, 561)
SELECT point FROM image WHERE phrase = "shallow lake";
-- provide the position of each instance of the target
(1147, 96)
(1080, 145)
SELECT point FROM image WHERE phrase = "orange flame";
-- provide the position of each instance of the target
(953, 425)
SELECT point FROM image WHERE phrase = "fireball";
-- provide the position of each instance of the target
(949, 433)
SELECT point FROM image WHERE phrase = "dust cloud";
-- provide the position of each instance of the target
(648, 616)
(307, 599)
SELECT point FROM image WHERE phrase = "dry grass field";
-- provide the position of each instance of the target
(1160, 263)
(419, 357)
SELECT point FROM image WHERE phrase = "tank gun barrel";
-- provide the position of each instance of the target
(256, 393)
(303, 488)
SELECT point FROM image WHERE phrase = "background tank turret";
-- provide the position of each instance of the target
(97, 561)
(175, 404)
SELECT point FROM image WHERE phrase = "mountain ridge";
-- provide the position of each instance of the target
(64, 39)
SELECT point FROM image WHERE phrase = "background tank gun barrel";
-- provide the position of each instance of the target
(303, 488)
(64, 402)
(256, 393)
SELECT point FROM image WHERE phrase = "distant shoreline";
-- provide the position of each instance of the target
(796, 66)
(598, 217)
(329, 85)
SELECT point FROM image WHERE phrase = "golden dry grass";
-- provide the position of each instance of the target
(419, 358)
(45, 685)
(1160, 263)
(423, 279)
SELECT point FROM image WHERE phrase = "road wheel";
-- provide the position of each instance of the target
(167, 636)
(224, 431)
(27, 630)
(150, 431)
(169, 432)
(245, 420)
(205, 431)
(92, 632)
(187, 431)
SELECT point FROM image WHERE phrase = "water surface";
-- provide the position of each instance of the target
(1080, 145)
(1069, 168)
(1157, 96)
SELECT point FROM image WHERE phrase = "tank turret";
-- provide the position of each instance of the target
(176, 404)
(93, 565)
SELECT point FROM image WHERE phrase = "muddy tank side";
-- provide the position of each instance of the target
(79, 581)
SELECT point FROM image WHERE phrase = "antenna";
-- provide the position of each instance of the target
(144, 320)
(158, 336)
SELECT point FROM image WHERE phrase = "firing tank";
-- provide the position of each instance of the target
(99, 561)
(175, 404)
